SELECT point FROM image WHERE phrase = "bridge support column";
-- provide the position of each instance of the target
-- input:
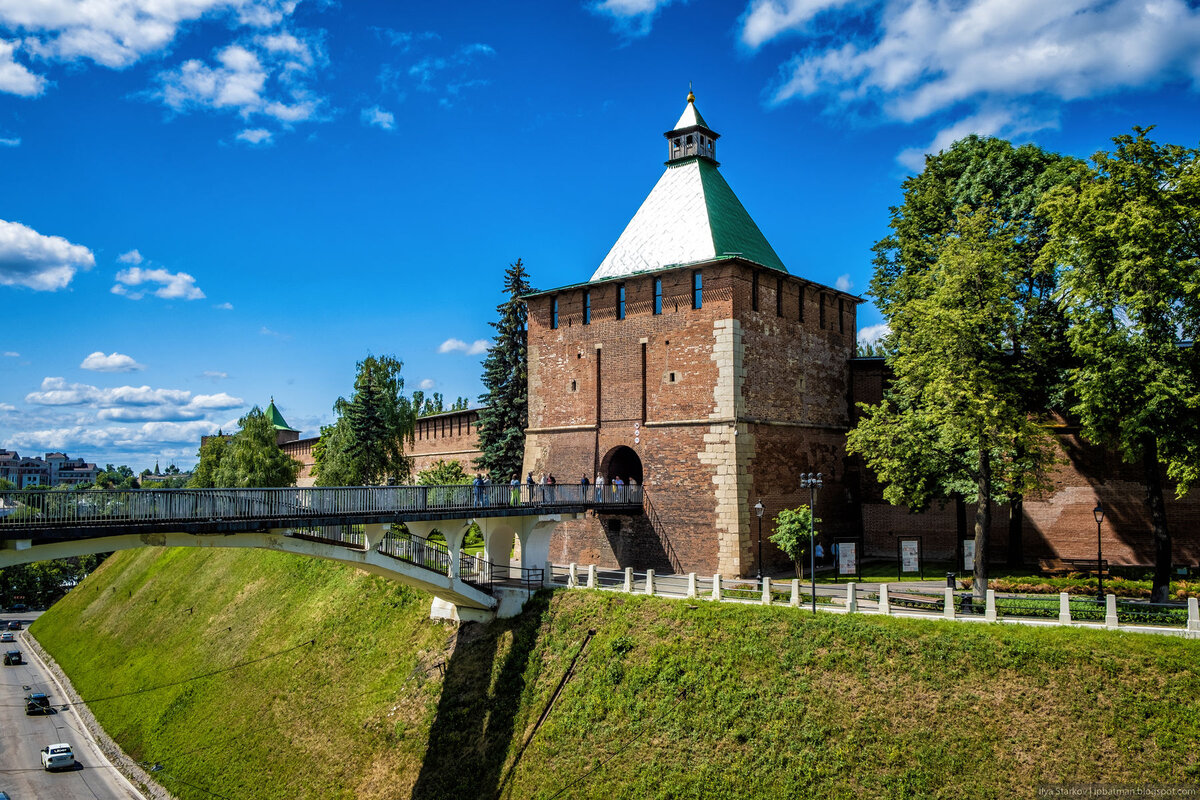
(455, 531)
(374, 534)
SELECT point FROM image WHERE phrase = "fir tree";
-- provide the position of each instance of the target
(505, 412)
(366, 443)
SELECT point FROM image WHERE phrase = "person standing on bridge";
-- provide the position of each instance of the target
(599, 487)
(550, 484)
(583, 488)
(478, 482)
(619, 489)
(515, 485)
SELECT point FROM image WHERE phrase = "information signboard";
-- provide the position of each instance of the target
(910, 557)
(968, 551)
(847, 558)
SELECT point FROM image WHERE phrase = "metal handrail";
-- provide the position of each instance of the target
(29, 508)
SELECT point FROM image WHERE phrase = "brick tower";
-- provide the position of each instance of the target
(695, 363)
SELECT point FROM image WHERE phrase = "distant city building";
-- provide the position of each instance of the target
(56, 469)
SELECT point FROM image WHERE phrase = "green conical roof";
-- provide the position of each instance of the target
(277, 420)
(690, 215)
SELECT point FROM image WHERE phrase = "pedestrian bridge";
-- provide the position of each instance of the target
(352, 525)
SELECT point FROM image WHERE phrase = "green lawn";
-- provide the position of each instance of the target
(200, 660)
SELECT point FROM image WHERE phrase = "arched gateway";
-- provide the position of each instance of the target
(622, 462)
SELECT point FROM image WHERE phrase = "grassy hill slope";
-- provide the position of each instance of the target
(199, 661)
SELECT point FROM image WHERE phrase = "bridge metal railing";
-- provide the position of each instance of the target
(30, 508)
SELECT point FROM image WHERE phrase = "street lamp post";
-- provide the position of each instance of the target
(758, 509)
(1098, 513)
(812, 483)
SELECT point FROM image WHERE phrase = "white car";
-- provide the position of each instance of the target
(58, 756)
(7, 637)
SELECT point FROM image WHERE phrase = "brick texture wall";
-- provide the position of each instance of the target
(722, 404)
(1059, 524)
(452, 436)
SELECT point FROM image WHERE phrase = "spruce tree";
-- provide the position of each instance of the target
(505, 412)
(366, 443)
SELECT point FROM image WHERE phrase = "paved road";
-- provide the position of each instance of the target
(22, 738)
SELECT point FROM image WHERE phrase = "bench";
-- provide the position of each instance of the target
(1062, 566)
(925, 602)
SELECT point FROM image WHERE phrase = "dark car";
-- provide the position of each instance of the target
(15, 625)
(17, 608)
(12, 657)
(37, 703)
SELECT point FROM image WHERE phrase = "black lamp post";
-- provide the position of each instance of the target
(812, 483)
(1098, 513)
(758, 509)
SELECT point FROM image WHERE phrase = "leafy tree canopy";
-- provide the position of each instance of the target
(1128, 243)
(976, 341)
(444, 473)
(249, 459)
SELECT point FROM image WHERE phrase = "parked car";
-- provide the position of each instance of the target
(15, 625)
(37, 703)
(58, 756)
(17, 608)
(12, 658)
(7, 637)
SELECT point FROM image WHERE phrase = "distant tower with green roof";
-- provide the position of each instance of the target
(696, 364)
(283, 432)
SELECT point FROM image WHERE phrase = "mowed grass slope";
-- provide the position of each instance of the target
(667, 699)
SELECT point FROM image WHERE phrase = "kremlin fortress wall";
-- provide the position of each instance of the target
(694, 362)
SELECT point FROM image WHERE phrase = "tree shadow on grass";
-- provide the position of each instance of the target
(471, 735)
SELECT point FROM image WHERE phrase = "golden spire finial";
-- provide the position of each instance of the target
(691, 96)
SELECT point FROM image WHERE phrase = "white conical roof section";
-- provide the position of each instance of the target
(690, 215)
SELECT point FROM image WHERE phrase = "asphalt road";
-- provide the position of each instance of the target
(22, 737)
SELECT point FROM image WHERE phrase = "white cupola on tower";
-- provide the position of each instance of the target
(691, 136)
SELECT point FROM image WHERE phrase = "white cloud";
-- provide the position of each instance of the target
(7, 407)
(427, 384)
(13, 142)
(766, 19)
(57, 392)
(147, 437)
(11, 354)
(472, 349)
(267, 76)
(631, 17)
(112, 33)
(35, 261)
(131, 403)
(174, 285)
(915, 59)
(873, 333)
(265, 331)
(255, 136)
(16, 78)
(215, 375)
(445, 75)
(224, 306)
(132, 257)
(379, 118)
(114, 362)
(844, 284)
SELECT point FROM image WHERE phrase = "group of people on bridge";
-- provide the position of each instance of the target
(547, 490)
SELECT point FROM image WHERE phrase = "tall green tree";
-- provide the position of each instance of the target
(250, 459)
(365, 445)
(505, 412)
(976, 341)
(1128, 240)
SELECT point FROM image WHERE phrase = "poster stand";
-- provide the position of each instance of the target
(848, 563)
(910, 557)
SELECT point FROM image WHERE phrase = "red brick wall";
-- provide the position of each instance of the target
(452, 436)
(1057, 525)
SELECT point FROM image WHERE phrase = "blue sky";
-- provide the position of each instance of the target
(204, 203)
